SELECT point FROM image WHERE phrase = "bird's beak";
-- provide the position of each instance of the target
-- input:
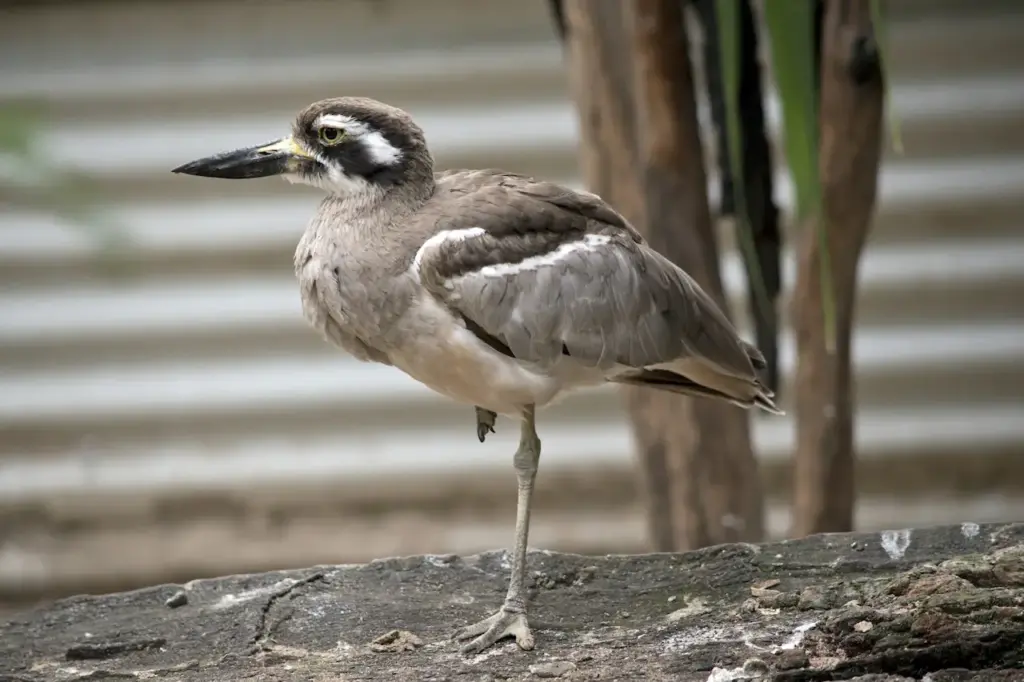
(276, 158)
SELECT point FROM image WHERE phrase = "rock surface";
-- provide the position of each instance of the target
(942, 604)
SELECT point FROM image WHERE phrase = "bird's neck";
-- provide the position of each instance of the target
(364, 214)
(367, 198)
(369, 231)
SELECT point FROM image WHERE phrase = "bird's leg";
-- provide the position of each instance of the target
(510, 620)
(484, 422)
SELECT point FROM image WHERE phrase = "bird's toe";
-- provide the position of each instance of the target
(484, 423)
(494, 628)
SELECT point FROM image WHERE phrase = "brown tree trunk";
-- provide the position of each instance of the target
(641, 151)
(850, 152)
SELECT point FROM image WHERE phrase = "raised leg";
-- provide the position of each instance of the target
(510, 620)
(484, 422)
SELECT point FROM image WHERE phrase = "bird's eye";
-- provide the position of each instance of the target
(330, 135)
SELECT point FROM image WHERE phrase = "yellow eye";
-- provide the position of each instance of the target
(330, 136)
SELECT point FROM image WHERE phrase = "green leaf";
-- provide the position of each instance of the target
(882, 38)
(729, 43)
(18, 128)
(39, 181)
(791, 30)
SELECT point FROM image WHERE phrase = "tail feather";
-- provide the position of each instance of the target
(755, 355)
(768, 405)
(673, 382)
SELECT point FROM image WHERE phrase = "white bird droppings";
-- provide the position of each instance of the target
(727, 675)
(694, 637)
(794, 640)
(969, 529)
(896, 542)
(439, 561)
(752, 669)
(233, 599)
(693, 607)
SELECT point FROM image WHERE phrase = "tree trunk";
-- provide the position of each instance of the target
(641, 151)
(850, 153)
(600, 82)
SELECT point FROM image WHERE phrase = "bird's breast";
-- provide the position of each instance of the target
(439, 352)
(351, 303)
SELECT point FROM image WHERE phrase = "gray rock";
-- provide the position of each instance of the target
(179, 598)
(948, 606)
(552, 668)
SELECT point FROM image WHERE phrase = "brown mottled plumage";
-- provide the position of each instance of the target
(497, 290)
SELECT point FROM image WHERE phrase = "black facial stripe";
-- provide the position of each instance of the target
(352, 154)
(354, 157)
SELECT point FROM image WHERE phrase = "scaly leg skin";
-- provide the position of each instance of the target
(484, 422)
(510, 621)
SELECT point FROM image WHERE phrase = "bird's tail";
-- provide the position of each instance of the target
(753, 394)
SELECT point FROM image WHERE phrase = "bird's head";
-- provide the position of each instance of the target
(345, 146)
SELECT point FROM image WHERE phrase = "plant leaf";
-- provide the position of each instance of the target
(18, 128)
(729, 32)
(31, 176)
(791, 30)
(882, 39)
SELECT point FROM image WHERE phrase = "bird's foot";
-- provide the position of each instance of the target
(484, 423)
(502, 624)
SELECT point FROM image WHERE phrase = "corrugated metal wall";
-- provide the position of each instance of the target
(184, 383)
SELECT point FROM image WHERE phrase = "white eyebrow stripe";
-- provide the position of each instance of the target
(381, 152)
(337, 121)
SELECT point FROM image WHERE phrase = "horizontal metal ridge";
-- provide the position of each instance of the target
(157, 144)
(275, 221)
(219, 77)
(58, 313)
(169, 465)
(163, 389)
(524, 40)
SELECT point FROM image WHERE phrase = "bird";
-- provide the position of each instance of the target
(495, 289)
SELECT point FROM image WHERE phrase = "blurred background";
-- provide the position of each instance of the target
(166, 414)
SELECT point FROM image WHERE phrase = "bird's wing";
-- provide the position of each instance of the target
(539, 271)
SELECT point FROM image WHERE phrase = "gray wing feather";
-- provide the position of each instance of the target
(616, 302)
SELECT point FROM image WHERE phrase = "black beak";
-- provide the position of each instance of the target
(275, 158)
